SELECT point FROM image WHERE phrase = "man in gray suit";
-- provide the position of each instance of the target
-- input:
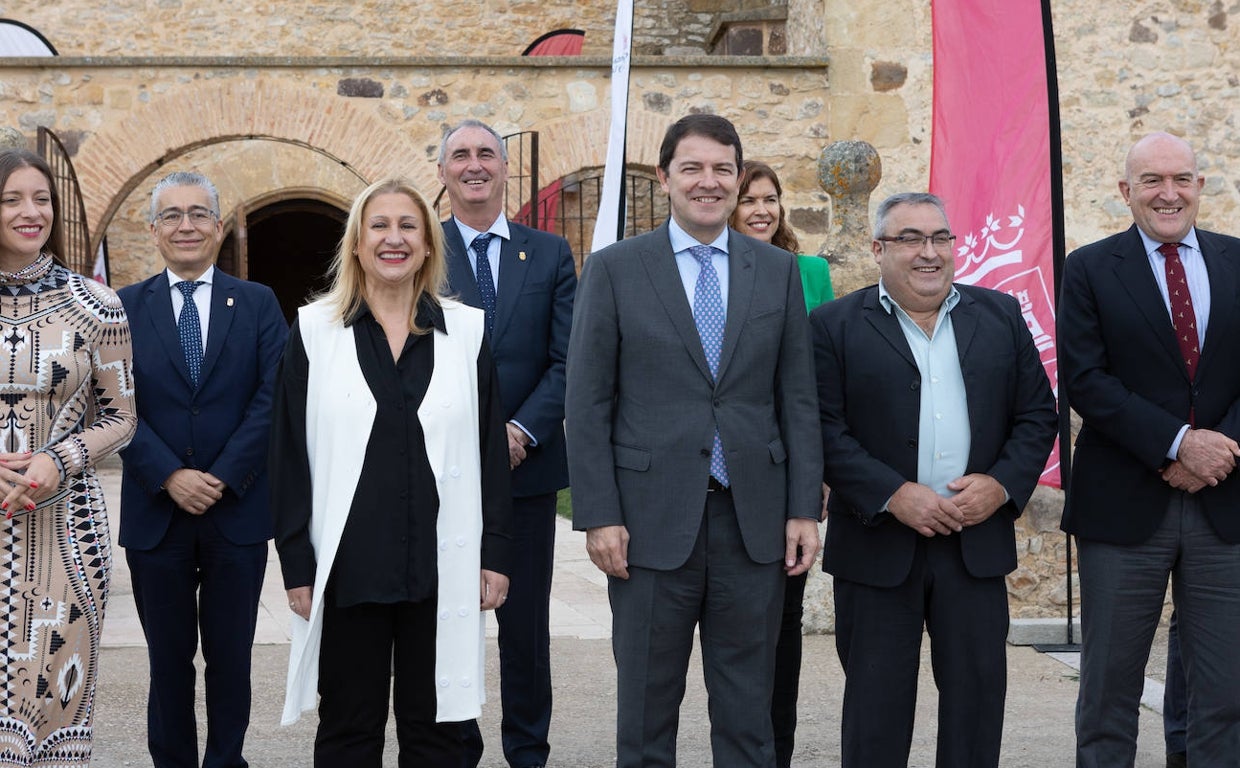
(694, 453)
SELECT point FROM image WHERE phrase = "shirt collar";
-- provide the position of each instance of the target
(499, 228)
(889, 304)
(1151, 245)
(430, 314)
(683, 241)
(206, 277)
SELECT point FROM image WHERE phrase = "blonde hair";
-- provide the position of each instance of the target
(348, 286)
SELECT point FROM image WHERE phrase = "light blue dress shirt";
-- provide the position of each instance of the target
(943, 435)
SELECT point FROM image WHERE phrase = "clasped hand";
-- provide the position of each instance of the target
(28, 478)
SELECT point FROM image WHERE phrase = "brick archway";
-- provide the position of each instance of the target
(119, 157)
(564, 152)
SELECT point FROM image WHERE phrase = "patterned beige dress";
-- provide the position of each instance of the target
(66, 388)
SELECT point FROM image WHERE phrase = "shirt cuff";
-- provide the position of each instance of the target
(517, 424)
(1173, 452)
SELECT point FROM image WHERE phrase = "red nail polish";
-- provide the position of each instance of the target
(5, 505)
(8, 515)
(33, 484)
(30, 506)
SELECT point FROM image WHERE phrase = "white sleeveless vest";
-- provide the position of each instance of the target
(340, 412)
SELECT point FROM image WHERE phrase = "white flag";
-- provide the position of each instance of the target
(607, 225)
(101, 267)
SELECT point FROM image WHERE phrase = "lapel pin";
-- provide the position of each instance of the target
(521, 255)
(229, 303)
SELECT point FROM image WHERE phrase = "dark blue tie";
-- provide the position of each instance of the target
(190, 329)
(708, 316)
(486, 283)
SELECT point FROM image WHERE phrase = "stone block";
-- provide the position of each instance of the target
(1042, 631)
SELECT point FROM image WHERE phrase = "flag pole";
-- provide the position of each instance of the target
(1058, 244)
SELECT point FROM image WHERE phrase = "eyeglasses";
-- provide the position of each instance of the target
(172, 217)
(911, 242)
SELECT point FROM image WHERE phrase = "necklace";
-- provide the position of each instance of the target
(28, 273)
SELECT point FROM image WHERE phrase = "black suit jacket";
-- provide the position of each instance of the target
(1125, 376)
(870, 403)
(533, 319)
(221, 427)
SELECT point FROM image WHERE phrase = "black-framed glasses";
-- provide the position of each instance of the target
(171, 217)
(915, 242)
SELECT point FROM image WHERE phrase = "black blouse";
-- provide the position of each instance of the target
(387, 551)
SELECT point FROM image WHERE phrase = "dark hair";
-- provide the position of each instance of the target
(711, 126)
(15, 159)
(904, 198)
(753, 170)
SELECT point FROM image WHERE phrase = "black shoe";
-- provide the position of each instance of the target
(1177, 760)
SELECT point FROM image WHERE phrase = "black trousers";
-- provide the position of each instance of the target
(878, 635)
(368, 651)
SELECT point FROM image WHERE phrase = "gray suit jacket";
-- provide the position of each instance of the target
(641, 404)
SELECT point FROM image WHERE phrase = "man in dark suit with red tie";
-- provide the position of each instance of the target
(194, 507)
(525, 280)
(1148, 330)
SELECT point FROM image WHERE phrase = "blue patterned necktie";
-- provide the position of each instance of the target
(486, 283)
(708, 316)
(190, 329)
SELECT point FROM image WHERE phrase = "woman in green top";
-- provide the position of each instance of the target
(760, 214)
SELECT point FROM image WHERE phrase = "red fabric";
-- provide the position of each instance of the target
(990, 157)
(564, 42)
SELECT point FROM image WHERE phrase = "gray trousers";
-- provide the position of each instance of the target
(1122, 592)
(736, 603)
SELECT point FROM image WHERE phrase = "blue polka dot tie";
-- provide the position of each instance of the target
(486, 283)
(709, 318)
(190, 329)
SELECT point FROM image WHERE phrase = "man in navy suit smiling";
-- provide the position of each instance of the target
(194, 509)
(524, 280)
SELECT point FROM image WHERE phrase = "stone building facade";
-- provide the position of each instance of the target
(293, 106)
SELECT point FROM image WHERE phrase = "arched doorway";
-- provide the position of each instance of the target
(287, 244)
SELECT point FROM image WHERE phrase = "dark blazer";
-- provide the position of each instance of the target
(533, 318)
(870, 399)
(1125, 376)
(642, 406)
(221, 427)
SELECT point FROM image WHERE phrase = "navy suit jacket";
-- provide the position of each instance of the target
(221, 427)
(870, 406)
(1125, 376)
(533, 319)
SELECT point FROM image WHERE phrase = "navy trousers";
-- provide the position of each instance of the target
(196, 581)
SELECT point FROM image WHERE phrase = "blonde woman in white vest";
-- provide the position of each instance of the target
(390, 492)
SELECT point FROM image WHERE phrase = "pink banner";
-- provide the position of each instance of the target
(990, 158)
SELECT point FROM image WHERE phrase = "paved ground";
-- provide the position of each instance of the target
(1038, 730)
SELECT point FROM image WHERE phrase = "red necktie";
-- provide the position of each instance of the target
(1182, 316)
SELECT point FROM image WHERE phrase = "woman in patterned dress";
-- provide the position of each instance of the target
(66, 402)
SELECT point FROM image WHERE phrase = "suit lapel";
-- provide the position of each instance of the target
(741, 277)
(964, 325)
(460, 275)
(1224, 287)
(163, 323)
(1132, 267)
(887, 325)
(223, 304)
(660, 264)
(513, 269)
